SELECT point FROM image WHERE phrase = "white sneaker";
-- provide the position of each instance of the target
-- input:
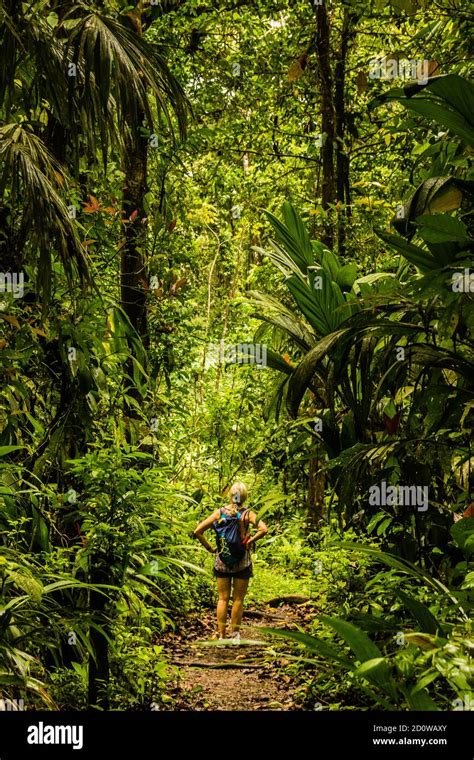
(235, 637)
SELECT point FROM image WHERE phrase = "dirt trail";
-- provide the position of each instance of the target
(231, 676)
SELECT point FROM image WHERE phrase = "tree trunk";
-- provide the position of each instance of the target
(133, 276)
(328, 188)
(316, 488)
(342, 159)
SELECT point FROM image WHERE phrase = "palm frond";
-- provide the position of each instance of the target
(94, 76)
(275, 313)
(29, 180)
(116, 66)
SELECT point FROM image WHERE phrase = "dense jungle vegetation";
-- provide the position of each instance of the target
(236, 240)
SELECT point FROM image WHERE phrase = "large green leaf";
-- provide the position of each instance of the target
(276, 400)
(457, 91)
(441, 228)
(275, 313)
(311, 642)
(419, 699)
(435, 356)
(463, 534)
(5, 450)
(293, 236)
(439, 113)
(323, 306)
(347, 275)
(307, 367)
(275, 361)
(118, 67)
(260, 356)
(432, 196)
(376, 670)
(29, 168)
(412, 253)
(362, 646)
(420, 613)
(40, 530)
(447, 99)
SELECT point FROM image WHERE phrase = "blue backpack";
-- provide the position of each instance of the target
(229, 542)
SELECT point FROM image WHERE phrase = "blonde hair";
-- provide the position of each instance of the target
(239, 488)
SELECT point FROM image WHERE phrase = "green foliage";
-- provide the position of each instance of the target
(140, 145)
(389, 660)
(391, 363)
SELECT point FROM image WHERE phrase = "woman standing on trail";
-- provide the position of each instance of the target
(233, 561)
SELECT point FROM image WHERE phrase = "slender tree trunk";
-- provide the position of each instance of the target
(328, 187)
(342, 160)
(316, 488)
(316, 476)
(133, 274)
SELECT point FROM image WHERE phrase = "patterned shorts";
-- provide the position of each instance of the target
(247, 572)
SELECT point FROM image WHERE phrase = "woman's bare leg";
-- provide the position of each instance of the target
(223, 590)
(240, 589)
